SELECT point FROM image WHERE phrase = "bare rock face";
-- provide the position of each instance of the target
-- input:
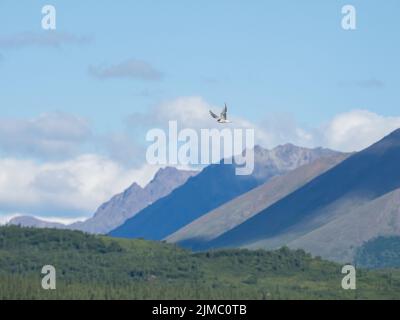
(285, 158)
(125, 205)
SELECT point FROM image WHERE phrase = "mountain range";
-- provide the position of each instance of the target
(127, 204)
(214, 186)
(325, 202)
(334, 213)
(232, 213)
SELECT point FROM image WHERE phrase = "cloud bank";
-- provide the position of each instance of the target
(45, 171)
(355, 130)
(50, 135)
(349, 131)
(72, 187)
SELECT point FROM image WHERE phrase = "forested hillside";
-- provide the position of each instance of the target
(98, 267)
(381, 252)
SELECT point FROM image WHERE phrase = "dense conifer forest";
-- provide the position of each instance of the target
(99, 267)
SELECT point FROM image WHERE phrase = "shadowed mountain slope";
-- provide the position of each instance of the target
(238, 210)
(211, 188)
(363, 177)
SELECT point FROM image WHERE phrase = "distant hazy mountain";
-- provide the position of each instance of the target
(218, 221)
(214, 186)
(29, 221)
(126, 204)
(335, 212)
(285, 158)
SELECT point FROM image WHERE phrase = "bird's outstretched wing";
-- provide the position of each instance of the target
(223, 113)
(214, 115)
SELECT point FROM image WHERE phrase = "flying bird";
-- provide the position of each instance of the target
(222, 117)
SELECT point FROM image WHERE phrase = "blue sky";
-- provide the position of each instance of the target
(286, 59)
(270, 56)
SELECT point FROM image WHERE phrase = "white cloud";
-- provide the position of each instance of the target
(356, 130)
(281, 128)
(76, 186)
(349, 131)
(193, 113)
(123, 147)
(54, 135)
